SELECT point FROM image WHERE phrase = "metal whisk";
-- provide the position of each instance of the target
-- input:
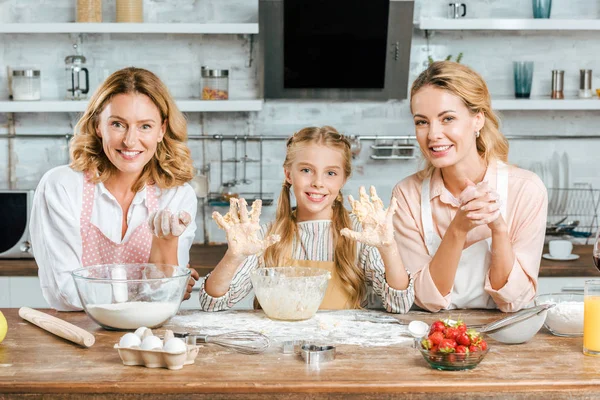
(245, 342)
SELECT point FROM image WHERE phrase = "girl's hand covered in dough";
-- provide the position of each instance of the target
(378, 230)
(167, 225)
(242, 228)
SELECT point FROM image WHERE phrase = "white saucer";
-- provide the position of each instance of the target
(571, 257)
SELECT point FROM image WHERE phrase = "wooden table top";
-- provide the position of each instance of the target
(205, 258)
(35, 362)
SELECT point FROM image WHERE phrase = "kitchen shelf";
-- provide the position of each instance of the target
(496, 24)
(544, 103)
(79, 106)
(74, 27)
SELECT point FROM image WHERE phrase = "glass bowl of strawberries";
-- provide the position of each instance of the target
(452, 346)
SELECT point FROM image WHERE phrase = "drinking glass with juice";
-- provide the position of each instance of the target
(591, 318)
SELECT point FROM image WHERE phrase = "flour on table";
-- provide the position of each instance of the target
(330, 327)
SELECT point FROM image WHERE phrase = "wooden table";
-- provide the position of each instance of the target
(205, 258)
(34, 363)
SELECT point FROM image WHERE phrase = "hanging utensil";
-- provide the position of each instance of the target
(245, 342)
(57, 326)
(245, 180)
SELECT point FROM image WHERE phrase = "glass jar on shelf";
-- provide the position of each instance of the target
(215, 84)
(228, 191)
(26, 84)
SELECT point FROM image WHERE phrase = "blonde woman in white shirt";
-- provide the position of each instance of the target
(124, 197)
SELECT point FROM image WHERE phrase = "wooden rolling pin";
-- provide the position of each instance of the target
(58, 327)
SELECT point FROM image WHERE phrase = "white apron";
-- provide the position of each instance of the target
(468, 290)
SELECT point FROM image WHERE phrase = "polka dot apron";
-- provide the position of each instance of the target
(98, 249)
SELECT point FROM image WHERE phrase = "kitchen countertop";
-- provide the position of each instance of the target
(36, 363)
(205, 258)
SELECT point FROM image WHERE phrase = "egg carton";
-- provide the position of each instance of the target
(157, 358)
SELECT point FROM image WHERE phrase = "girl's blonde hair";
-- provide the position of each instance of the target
(171, 165)
(467, 84)
(352, 276)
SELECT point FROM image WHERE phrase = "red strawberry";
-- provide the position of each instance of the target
(434, 349)
(447, 346)
(461, 349)
(437, 326)
(461, 327)
(483, 345)
(473, 348)
(451, 333)
(436, 337)
(463, 339)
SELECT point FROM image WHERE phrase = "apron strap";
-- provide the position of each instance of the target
(426, 216)
(89, 190)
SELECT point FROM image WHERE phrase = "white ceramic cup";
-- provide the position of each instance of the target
(560, 248)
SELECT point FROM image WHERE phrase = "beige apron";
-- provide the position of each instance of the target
(336, 298)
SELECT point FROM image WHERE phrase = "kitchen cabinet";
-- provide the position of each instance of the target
(19, 291)
(562, 284)
(39, 364)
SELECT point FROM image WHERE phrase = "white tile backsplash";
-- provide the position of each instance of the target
(177, 60)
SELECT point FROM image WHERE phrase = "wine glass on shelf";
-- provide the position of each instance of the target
(596, 251)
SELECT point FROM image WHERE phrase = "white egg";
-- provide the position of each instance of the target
(175, 345)
(151, 343)
(140, 331)
(129, 340)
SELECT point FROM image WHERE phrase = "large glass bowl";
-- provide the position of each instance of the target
(453, 361)
(566, 318)
(128, 296)
(290, 293)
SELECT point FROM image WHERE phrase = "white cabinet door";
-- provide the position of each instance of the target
(561, 284)
(26, 291)
(4, 292)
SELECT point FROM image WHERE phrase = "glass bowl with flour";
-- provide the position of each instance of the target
(290, 293)
(566, 318)
(128, 296)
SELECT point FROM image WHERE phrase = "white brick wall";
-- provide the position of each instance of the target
(177, 59)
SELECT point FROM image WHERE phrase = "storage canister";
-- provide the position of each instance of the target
(26, 84)
(215, 84)
(130, 11)
(89, 10)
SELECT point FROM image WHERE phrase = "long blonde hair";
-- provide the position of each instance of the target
(351, 274)
(171, 165)
(467, 84)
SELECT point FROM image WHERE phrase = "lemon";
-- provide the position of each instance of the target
(3, 327)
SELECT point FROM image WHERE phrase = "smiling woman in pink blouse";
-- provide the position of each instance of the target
(470, 228)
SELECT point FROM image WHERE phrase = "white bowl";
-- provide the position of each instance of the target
(520, 332)
(566, 318)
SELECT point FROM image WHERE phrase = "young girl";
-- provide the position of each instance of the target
(318, 232)
(469, 227)
(129, 167)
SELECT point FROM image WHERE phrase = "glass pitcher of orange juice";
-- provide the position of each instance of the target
(591, 318)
